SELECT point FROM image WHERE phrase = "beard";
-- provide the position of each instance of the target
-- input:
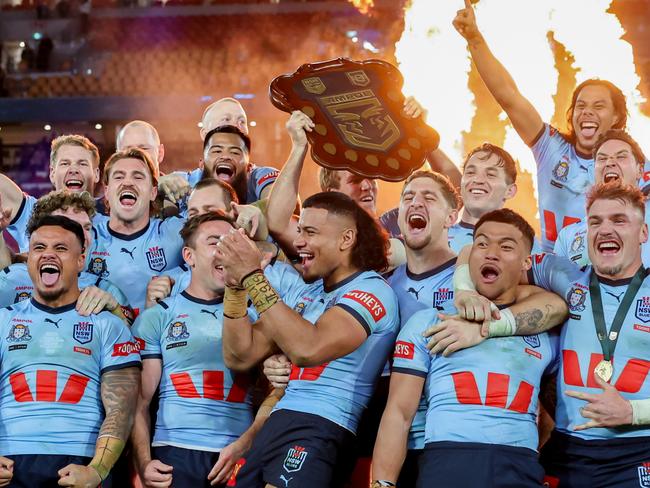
(610, 270)
(417, 244)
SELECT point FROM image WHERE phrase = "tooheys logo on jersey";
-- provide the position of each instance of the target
(156, 258)
(369, 301)
(403, 350)
(127, 348)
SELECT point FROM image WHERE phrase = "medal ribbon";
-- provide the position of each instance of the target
(608, 341)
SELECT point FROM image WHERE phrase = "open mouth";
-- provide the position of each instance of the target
(50, 274)
(490, 273)
(588, 129)
(306, 258)
(607, 177)
(74, 184)
(608, 248)
(224, 171)
(478, 191)
(416, 222)
(128, 198)
(367, 199)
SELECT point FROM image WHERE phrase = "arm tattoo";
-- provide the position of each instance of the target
(119, 396)
(533, 321)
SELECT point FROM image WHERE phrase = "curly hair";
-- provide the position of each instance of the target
(370, 251)
(63, 200)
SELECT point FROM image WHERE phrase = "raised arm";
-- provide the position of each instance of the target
(390, 446)
(12, 196)
(524, 117)
(284, 194)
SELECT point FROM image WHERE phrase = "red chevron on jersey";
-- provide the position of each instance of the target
(369, 301)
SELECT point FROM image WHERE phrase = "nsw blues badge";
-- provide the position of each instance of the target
(156, 258)
(296, 456)
(83, 332)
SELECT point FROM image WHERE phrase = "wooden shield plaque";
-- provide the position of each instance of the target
(357, 109)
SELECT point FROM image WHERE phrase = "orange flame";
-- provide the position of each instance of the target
(363, 6)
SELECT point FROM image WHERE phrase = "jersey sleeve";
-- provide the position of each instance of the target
(561, 246)
(147, 330)
(119, 350)
(553, 273)
(368, 302)
(411, 355)
(262, 177)
(17, 229)
(546, 142)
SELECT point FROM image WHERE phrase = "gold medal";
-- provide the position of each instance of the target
(605, 370)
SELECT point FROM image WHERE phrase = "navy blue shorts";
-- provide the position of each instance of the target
(41, 470)
(191, 467)
(295, 449)
(573, 462)
(408, 476)
(469, 464)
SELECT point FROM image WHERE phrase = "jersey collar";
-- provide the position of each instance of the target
(201, 301)
(621, 282)
(57, 310)
(465, 225)
(128, 237)
(431, 272)
(329, 289)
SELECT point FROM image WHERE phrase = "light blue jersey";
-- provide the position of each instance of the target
(18, 226)
(130, 261)
(51, 363)
(581, 351)
(572, 243)
(563, 178)
(432, 290)
(16, 285)
(485, 394)
(339, 390)
(203, 404)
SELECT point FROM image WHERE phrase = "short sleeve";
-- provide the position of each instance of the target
(561, 248)
(553, 273)
(17, 229)
(147, 329)
(7, 290)
(263, 177)
(119, 349)
(546, 142)
(367, 301)
(286, 281)
(411, 355)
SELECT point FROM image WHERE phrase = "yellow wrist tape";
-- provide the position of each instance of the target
(234, 303)
(260, 290)
(107, 452)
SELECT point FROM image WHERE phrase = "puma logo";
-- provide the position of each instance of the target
(56, 324)
(286, 481)
(415, 292)
(126, 251)
(214, 314)
(618, 297)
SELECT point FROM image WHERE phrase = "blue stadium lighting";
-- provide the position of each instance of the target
(244, 96)
(369, 47)
(351, 33)
(206, 98)
(37, 36)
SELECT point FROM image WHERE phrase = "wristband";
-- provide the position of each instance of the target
(462, 279)
(107, 452)
(503, 327)
(380, 483)
(234, 303)
(260, 290)
(640, 412)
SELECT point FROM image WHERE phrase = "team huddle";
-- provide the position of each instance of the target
(209, 328)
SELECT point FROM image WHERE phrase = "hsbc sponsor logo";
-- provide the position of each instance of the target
(126, 349)
(404, 350)
(369, 301)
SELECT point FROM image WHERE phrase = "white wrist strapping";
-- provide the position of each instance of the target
(503, 327)
(462, 279)
(640, 412)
